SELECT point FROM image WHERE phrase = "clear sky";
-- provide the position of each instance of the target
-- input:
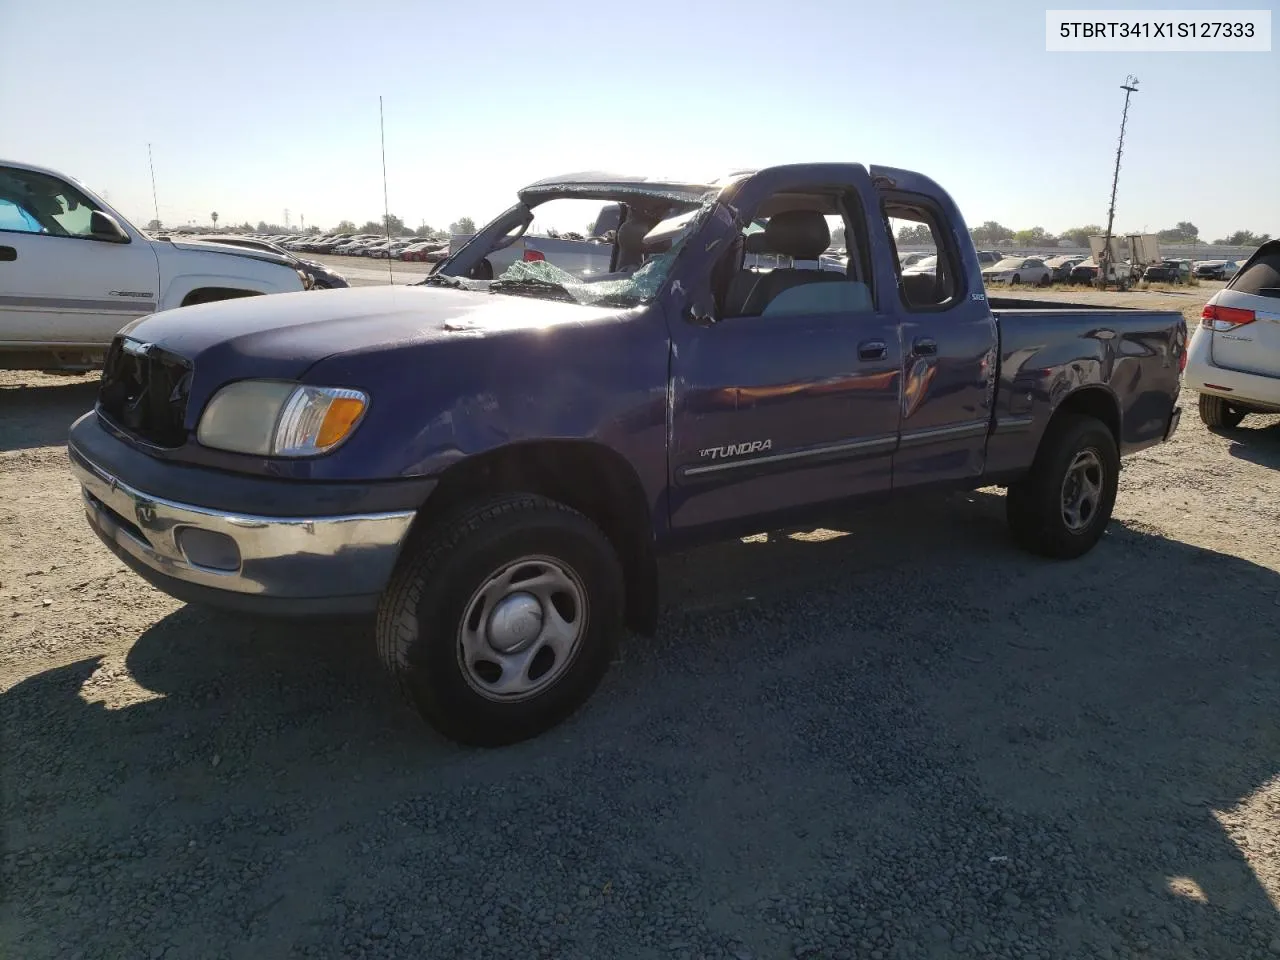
(254, 107)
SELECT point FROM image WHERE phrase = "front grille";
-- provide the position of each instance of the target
(144, 391)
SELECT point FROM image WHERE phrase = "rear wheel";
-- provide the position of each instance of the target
(1046, 280)
(501, 620)
(1062, 507)
(1219, 413)
(1017, 278)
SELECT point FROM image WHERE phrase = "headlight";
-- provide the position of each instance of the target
(272, 418)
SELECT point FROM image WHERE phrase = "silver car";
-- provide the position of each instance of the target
(1015, 270)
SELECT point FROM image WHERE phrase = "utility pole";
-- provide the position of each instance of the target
(286, 218)
(1130, 87)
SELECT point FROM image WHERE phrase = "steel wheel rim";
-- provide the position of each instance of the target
(522, 629)
(1082, 490)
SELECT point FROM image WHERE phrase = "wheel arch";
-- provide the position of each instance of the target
(1093, 400)
(588, 476)
(212, 294)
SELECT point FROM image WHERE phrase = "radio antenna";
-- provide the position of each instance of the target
(154, 198)
(386, 206)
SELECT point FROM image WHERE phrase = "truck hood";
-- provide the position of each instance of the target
(199, 246)
(282, 334)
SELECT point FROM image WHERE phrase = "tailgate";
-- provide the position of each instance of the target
(1250, 339)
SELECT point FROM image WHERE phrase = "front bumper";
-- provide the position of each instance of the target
(286, 565)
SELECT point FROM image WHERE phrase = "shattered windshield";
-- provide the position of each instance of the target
(544, 278)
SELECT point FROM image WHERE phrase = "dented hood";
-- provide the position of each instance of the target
(281, 335)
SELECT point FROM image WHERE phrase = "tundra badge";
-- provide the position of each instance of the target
(736, 449)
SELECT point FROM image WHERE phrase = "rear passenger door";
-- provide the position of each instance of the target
(793, 402)
(948, 347)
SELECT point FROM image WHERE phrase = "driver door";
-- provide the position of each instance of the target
(58, 284)
(787, 409)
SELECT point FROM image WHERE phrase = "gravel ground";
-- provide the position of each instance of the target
(902, 738)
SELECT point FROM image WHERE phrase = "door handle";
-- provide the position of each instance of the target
(872, 350)
(924, 347)
(8, 254)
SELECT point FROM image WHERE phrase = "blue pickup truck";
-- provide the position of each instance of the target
(493, 465)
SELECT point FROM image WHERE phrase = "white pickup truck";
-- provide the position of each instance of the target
(73, 271)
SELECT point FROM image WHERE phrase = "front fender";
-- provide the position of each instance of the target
(183, 271)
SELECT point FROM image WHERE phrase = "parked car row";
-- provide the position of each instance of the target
(376, 246)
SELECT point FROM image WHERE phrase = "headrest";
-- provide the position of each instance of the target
(757, 242)
(799, 234)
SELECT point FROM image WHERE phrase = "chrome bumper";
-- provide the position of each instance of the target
(294, 558)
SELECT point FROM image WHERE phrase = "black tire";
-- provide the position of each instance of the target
(421, 617)
(1017, 278)
(1035, 505)
(1046, 280)
(1219, 414)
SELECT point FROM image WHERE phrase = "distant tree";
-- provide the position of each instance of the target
(917, 234)
(1080, 235)
(247, 227)
(463, 225)
(262, 226)
(837, 237)
(214, 217)
(154, 225)
(345, 226)
(370, 226)
(1244, 238)
(394, 225)
(1035, 237)
(990, 233)
(1183, 232)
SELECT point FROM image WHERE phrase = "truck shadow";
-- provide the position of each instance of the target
(1260, 445)
(907, 706)
(39, 413)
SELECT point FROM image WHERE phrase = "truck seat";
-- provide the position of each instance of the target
(798, 234)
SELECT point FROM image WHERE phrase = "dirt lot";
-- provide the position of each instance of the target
(901, 739)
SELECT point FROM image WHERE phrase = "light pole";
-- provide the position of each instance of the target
(1130, 87)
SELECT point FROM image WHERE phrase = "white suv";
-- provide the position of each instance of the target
(1234, 357)
(73, 272)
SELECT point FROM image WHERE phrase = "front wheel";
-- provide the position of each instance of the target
(501, 620)
(1218, 413)
(1062, 507)
(1017, 279)
(1046, 280)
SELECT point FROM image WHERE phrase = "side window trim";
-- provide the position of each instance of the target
(943, 244)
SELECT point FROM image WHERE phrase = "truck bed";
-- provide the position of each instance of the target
(1130, 358)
